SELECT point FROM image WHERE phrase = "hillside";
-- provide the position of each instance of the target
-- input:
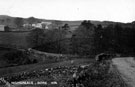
(14, 38)
(8, 20)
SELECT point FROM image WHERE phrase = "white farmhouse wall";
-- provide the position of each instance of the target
(2, 27)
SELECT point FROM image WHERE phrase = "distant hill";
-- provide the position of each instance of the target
(4, 16)
(8, 20)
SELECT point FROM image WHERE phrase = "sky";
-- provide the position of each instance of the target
(102, 10)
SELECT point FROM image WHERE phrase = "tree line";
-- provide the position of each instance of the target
(87, 39)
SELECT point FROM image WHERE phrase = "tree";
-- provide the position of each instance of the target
(56, 24)
(118, 38)
(31, 20)
(108, 39)
(7, 28)
(54, 40)
(19, 22)
(66, 26)
(83, 39)
(98, 39)
(36, 37)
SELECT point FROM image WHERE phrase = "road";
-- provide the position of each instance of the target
(126, 67)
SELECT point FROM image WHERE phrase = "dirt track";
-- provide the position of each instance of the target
(126, 66)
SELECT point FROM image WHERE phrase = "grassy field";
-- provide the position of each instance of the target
(9, 40)
(3, 51)
(14, 38)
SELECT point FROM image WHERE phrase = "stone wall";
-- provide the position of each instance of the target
(48, 57)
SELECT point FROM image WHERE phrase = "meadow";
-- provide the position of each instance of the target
(14, 38)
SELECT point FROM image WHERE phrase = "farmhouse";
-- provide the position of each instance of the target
(43, 25)
(37, 25)
(2, 27)
(27, 25)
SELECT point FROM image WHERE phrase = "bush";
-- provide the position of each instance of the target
(35, 61)
(97, 75)
(17, 57)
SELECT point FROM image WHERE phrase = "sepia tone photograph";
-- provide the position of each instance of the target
(67, 43)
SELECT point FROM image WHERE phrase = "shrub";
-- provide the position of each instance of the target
(17, 57)
(97, 75)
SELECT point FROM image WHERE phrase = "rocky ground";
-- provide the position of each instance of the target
(94, 74)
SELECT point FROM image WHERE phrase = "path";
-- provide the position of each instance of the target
(126, 67)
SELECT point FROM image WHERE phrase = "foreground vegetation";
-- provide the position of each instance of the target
(89, 75)
(98, 75)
